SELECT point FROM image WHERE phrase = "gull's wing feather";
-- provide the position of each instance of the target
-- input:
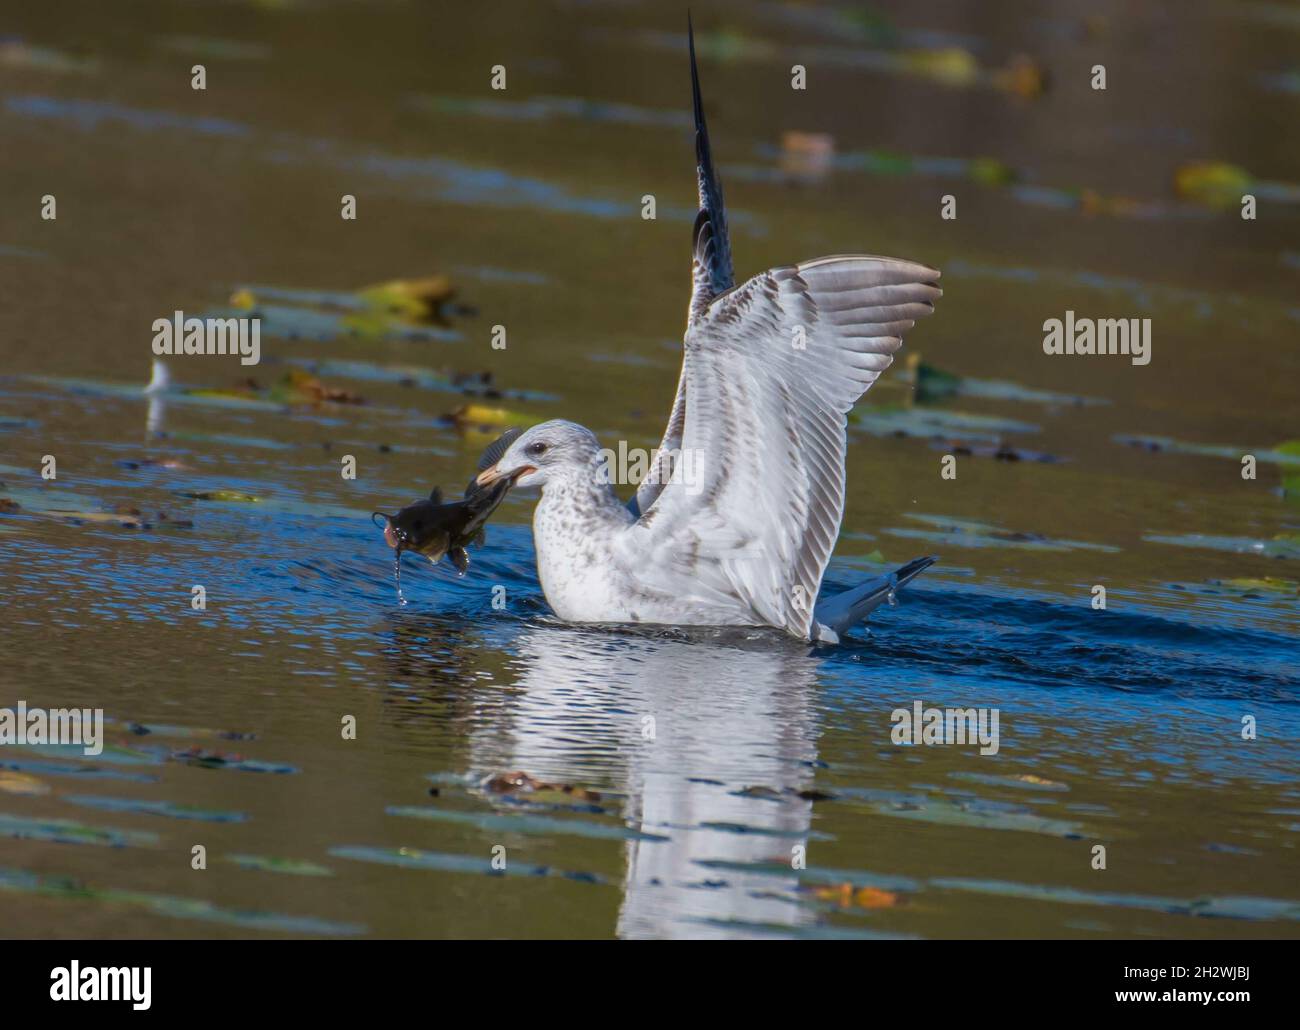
(711, 273)
(771, 371)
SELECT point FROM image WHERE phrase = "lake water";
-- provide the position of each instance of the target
(728, 783)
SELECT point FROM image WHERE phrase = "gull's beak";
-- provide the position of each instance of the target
(494, 474)
(488, 476)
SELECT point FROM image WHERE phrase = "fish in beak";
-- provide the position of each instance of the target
(436, 529)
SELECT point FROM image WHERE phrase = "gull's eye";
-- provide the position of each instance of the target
(536, 450)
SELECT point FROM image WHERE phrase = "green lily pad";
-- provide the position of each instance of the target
(271, 864)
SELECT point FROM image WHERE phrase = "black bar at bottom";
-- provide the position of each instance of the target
(335, 979)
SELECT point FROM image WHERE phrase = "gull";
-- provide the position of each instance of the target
(736, 519)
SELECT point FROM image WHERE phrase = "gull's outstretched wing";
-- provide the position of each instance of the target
(711, 273)
(771, 371)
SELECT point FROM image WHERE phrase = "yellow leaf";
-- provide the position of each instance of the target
(21, 783)
(1031, 778)
(415, 299)
(1213, 183)
(951, 65)
(477, 416)
(874, 897)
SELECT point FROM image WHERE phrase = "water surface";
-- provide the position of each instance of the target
(769, 799)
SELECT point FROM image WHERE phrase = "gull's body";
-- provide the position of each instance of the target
(741, 533)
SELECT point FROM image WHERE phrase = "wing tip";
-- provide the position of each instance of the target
(697, 102)
(919, 271)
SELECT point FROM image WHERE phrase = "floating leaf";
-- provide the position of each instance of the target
(1225, 907)
(807, 156)
(19, 55)
(472, 384)
(989, 171)
(846, 896)
(1001, 452)
(413, 858)
(969, 533)
(1281, 546)
(416, 300)
(1213, 183)
(1026, 780)
(229, 496)
(21, 783)
(65, 831)
(305, 322)
(483, 419)
(89, 772)
(299, 387)
(779, 868)
(206, 759)
(510, 822)
(167, 730)
(127, 520)
(1281, 455)
(68, 888)
(952, 66)
(271, 864)
(112, 754)
(1023, 76)
(170, 464)
(219, 49)
(935, 424)
(971, 813)
(1261, 585)
(545, 108)
(933, 384)
(162, 808)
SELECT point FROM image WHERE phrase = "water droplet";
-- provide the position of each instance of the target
(397, 576)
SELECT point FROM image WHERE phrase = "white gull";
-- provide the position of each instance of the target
(739, 533)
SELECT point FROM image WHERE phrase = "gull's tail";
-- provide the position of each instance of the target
(834, 615)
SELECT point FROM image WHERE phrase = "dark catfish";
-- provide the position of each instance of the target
(434, 528)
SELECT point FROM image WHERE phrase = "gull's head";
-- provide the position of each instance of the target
(545, 453)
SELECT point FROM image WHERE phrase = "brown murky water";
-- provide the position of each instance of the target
(768, 794)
